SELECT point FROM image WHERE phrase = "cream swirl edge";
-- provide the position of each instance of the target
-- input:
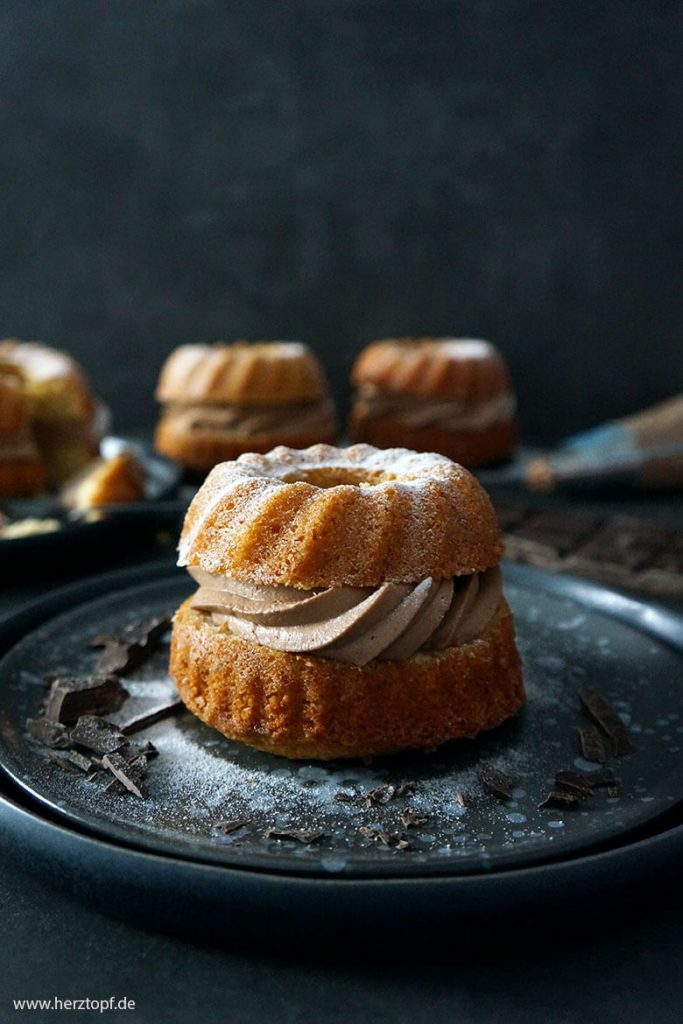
(251, 419)
(447, 413)
(391, 622)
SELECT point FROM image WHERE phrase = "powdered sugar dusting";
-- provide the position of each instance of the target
(467, 348)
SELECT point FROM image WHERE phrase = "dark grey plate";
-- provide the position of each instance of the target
(574, 636)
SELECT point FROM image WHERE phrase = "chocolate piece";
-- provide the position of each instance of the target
(301, 837)
(228, 827)
(464, 799)
(599, 780)
(622, 550)
(606, 718)
(50, 734)
(561, 798)
(379, 795)
(405, 788)
(149, 750)
(412, 818)
(591, 744)
(60, 760)
(86, 764)
(115, 788)
(397, 840)
(343, 798)
(97, 734)
(128, 773)
(497, 782)
(574, 782)
(127, 650)
(70, 698)
(155, 714)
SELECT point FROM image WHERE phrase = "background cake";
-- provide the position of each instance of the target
(446, 395)
(50, 421)
(223, 399)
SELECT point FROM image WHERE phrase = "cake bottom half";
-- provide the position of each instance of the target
(302, 706)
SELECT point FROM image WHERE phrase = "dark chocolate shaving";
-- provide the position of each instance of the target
(405, 788)
(86, 764)
(412, 818)
(97, 734)
(127, 650)
(300, 836)
(396, 840)
(464, 799)
(591, 744)
(128, 773)
(561, 798)
(600, 711)
(50, 734)
(599, 780)
(70, 698)
(115, 788)
(155, 714)
(344, 798)
(149, 750)
(228, 827)
(380, 795)
(497, 782)
(574, 782)
(60, 760)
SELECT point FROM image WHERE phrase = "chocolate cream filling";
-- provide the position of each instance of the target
(390, 622)
(447, 414)
(252, 419)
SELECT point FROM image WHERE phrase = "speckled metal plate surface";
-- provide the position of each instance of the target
(573, 636)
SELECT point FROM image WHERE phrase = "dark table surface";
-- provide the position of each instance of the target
(622, 967)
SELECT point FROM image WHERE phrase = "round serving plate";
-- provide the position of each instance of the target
(421, 828)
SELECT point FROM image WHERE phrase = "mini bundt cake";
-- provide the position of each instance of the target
(221, 400)
(448, 395)
(349, 604)
(62, 422)
(21, 468)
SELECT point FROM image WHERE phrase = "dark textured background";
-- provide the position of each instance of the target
(341, 170)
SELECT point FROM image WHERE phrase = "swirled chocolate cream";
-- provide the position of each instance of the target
(444, 413)
(251, 420)
(391, 622)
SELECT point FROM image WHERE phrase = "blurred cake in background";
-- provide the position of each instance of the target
(21, 468)
(50, 421)
(116, 480)
(447, 395)
(220, 400)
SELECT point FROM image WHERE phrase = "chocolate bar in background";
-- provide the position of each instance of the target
(621, 551)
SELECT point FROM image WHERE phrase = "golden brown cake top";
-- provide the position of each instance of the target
(243, 373)
(432, 367)
(325, 517)
(54, 385)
